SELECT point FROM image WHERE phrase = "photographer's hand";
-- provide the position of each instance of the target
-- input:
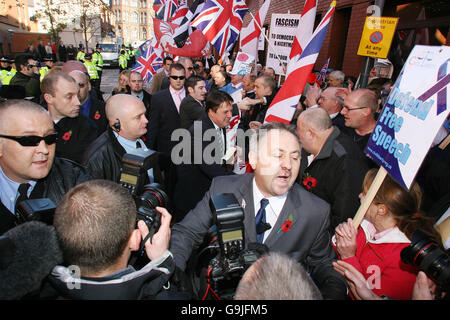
(160, 240)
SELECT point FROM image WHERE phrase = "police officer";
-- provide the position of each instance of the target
(97, 58)
(92, 70)
(80, 54)
(123, 61)
(6, 71)
(46, 68)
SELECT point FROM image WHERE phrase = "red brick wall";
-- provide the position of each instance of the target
(351, 63)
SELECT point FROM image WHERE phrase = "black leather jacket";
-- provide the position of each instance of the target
(103, 158)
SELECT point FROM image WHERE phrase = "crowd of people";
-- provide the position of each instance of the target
(59, 139)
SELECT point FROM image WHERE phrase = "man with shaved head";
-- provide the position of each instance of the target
(90, 106)
(359, 110)
(28, 166)
(332, 166)
(126, 125)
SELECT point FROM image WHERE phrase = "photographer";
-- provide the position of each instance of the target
(278, 213)
(28, 167)
(96, 226)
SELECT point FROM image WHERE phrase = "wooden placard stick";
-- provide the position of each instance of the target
(371, 193)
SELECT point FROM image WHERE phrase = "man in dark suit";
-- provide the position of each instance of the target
(277, 212)
(332, 165)
(137, 90)
(196, 172)
(192, 107)
(164, 118)
(28, 166)
(75, 131)
(164, 115)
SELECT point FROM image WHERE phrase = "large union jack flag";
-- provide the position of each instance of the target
(165, 9)
(221, 22)
(148, 63)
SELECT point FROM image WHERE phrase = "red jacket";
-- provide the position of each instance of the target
(380, 263)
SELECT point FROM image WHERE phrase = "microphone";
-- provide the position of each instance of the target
(28, 254)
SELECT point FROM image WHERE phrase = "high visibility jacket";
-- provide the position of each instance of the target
(97, 58)
(80, 56)
(123, 61)
(92, 70)
(43, 72)
(6, 76)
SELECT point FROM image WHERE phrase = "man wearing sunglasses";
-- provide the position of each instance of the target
(28, 167)
(27, 76)
(164, 118)
(76, 131)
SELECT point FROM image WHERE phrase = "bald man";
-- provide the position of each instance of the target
(27, 159)
(73, 65)
(90, 106)
(126, 125)
(332, 166)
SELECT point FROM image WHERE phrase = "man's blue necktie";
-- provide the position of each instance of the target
(261, 225)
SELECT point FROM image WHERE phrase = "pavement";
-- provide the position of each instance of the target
(110, 80)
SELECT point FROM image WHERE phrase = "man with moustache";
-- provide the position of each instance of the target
(75, 131)
(28, 166)
(277, 212)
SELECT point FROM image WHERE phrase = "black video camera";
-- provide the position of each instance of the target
(226, 269)
(147, 197)
(425, 253)
(42, 209)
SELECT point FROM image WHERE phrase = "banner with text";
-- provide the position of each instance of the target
(415, 110)
(281, 37)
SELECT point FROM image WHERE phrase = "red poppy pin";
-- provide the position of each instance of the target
(309, 182)
(287, 224)
(66, 136)
(97, 115)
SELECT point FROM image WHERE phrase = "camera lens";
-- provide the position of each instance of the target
(153, 196)
(426, 254)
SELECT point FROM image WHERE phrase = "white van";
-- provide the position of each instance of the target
(110, 54)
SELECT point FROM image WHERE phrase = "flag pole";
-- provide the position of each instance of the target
(260, 28)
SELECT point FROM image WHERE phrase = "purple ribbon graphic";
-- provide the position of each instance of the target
(440, 88)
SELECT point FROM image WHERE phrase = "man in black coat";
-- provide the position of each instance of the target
(75, 131)
(164, 119)
(192, 107)
(137, 90)
(332, 166)
(27, 76)
(90, 106)
(28, 167)
(196, 172)
(62, 52)
(126, 126)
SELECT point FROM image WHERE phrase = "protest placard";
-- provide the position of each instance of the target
(243, 64)
(414, 111)
(281, 37)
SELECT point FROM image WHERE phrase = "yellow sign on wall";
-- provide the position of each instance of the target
(377, 37)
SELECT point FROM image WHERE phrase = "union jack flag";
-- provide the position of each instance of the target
(148, 63)
(180, 13)
(284, 104)
(323, 72)
(165, 9)
(221, 22)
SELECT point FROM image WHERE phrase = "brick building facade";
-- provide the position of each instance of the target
(345, 29)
